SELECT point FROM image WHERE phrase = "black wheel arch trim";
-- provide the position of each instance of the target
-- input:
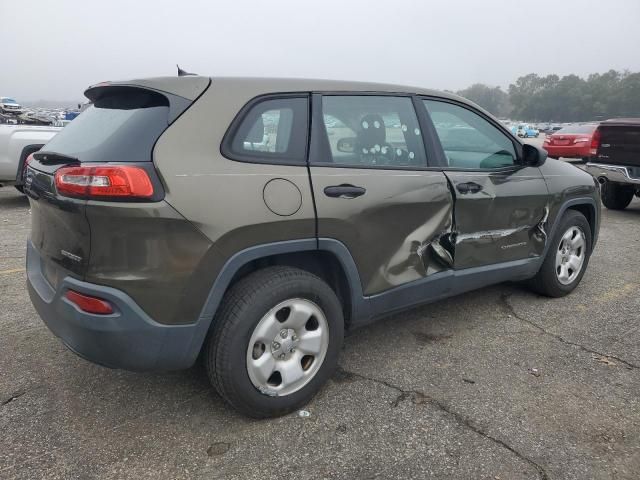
(26, 151)
(574, 202)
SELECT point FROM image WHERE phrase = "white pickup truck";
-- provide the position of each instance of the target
(16, 143)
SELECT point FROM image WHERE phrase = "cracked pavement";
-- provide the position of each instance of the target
(494, 384)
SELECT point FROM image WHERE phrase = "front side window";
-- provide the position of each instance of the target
(272, 130)
(469, 140)
(372, 131)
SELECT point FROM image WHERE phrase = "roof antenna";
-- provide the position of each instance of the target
(182, 73)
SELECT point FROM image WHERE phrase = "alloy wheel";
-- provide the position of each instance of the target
(570, 255)
(287, 347)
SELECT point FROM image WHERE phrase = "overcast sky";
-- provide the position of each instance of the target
(54, 49)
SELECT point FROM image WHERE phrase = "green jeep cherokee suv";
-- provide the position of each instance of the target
(252, 221)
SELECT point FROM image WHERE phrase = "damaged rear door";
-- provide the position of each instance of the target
(500, 206)
(372, 189)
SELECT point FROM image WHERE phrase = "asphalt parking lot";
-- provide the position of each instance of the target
(498, 384)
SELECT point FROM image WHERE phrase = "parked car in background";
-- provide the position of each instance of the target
(551, 129)
(10, 106)
(615, 161)
(226, 219)
(17, 142)
(573, 141)
(524, 130)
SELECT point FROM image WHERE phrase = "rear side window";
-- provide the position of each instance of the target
(272, 130)
(122, 125)
(577, 129)
(469, 140)
(372, 131)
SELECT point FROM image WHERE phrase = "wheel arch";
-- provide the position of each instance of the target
(585, 205)
(26, 151)
(589, 211)
(328, 258)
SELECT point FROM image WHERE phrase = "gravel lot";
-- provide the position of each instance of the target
(496, 384)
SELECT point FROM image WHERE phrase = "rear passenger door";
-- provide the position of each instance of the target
(499, 203)
(372, 189)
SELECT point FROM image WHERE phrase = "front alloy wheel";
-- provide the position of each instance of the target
(570, 255)
(566, 258)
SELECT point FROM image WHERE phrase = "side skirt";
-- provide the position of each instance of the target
(443, 285)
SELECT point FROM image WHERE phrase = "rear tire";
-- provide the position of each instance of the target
(550, 280)
(283, 300)
(616, 196)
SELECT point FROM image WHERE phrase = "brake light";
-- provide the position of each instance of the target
(104, 181)
(595, 142)
(89, 304)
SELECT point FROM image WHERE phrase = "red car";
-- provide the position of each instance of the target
(571, 142)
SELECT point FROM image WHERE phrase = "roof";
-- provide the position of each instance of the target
(190, 86)
(276, 84)
(622, 121)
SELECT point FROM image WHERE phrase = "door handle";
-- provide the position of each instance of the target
(344, 191)
(469, 187)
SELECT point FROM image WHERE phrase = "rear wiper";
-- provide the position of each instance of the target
(53, 157)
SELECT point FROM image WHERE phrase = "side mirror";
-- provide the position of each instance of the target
(346, 145)
(533, 156)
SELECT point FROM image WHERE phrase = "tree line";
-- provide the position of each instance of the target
(562, 99)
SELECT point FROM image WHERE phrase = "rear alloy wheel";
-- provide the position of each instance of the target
(616, 196)
(275, 341)
(287, 347)
(567, 257)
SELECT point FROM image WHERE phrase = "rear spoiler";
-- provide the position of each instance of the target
(189, 87)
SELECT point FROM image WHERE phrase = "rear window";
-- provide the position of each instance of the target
(577, 129)
(120, 126)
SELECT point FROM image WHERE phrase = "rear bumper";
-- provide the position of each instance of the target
(569, 151)
(615, 173)
(127, 339)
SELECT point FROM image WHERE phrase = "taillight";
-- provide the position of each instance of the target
(595, 142)
(104, 181)
(89, 304)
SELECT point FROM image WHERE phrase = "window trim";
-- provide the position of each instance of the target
(319, 137)
(268, 158)
(436, 139)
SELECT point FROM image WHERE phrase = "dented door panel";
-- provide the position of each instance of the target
(502, 218)
(391, 228)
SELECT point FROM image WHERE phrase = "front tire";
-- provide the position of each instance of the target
(567, 257)
(275, 341)
(616, 196)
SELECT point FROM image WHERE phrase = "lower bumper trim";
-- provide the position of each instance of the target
(128, 338)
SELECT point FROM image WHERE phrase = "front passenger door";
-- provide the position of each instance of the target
(499, 203)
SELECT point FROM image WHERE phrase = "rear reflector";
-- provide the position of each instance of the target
(89, 304)
(104, 181)
(27, 161)
(595, 142)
